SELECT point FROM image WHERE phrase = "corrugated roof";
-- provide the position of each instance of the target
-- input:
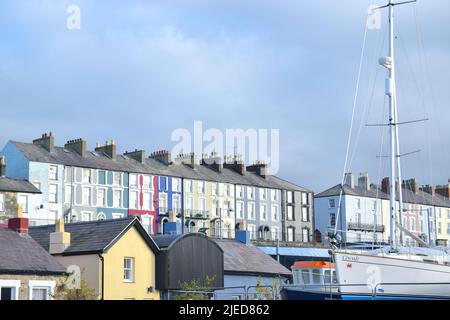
(16, 185)
(248, 259)
(92, 236)
(20, 253)
(59, 155)
(297, 252)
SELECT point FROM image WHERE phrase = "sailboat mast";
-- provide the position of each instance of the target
(390, 92)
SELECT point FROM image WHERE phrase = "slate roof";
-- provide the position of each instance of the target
(59, 155)
(164, 241)
(248, 259)
(15, 185)
(21, 254)
(409, 196)
(91, 237)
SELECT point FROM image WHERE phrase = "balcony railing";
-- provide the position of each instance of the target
(357, 226)
(196, 214)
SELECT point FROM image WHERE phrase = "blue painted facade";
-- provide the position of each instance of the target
(170, 198)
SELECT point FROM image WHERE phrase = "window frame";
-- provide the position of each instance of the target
(131, 269)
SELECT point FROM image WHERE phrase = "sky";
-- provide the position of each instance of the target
(136, 71)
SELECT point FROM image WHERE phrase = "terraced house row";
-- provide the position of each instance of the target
(211, 195)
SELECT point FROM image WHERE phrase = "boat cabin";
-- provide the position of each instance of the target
(310, 273)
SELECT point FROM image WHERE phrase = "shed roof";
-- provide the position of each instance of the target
(16, 185)
(248, 259)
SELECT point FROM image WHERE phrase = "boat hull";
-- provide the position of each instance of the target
(383, 277)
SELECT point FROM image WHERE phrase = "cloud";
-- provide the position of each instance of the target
(137, 70)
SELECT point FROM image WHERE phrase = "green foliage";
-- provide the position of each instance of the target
(196, 289)
(64, 292)
(262, 292)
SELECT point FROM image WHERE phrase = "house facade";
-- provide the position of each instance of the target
(116, 257)
(16, 193)
(212, 196)
(364, 214)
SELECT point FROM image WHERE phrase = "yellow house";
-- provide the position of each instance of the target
(116, 257)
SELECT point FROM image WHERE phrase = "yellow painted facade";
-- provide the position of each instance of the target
(130, 245)
(211, 200)
(442, 223)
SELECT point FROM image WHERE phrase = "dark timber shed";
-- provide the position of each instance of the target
(186, 257)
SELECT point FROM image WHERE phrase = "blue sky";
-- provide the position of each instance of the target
(137, 70)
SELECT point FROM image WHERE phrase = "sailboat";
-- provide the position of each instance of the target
(394, 272)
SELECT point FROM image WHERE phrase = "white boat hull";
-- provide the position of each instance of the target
(363, 274)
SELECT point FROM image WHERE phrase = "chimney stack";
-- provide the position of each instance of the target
(77, 145)
(349, 180)
(162, 156)
(235, 163)
(259, 167)
(411, 185)
(212, 161)
(429, 189)
(385, 185)
(364, 181)
(109, 148)
(186, 159)
(138, 155)
(444, 190)
(2, 166)
(59, 240)
(19, 224)
(47, 141)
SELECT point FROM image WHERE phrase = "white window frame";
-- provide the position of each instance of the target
(83, 201)
(262, 194)
(251, 193)
(263, 209)
(239, 213)
(53, 175)
(166, 200)
(275, 213)
(37, 284)
(176, 196)
(133, 180)
(134, 204)
(2, 202)
(56, 193)
(89, 213)
(11, 284)
(239, 192)
(89, 176)
(274, 194)
(26, 205)
(105, 198)
(114, 198)
(251, 216)
(115, 173)
(132, 269)
(68, 194)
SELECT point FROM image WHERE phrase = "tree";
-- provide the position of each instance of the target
(64, 291)
(262, 292)
(196, 289)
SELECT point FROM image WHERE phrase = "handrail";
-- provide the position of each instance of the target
(265, 286)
